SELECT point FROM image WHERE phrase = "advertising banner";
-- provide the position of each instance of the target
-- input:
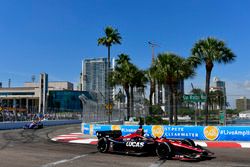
(212, 133)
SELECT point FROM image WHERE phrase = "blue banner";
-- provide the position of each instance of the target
(212, 133)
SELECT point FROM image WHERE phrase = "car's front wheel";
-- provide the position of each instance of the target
(164, 151)
(103, 145)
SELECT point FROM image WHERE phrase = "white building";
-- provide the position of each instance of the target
(32, 96)
(244, 114)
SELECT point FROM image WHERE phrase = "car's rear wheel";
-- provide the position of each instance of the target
(189, 142)
(103, 145)
(164, 151)
(40, 126)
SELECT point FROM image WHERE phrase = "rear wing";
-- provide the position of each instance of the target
(109, 133)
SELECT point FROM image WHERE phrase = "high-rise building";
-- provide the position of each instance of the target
(43, 85)
(219, 86)
(243, 104)
(94, 77)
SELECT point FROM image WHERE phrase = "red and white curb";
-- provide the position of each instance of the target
(79, 138)
(221, 144)
(74, 138)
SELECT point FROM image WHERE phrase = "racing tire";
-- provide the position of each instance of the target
(189, 142)
(164, 151)
(40, 126)
(103, 145)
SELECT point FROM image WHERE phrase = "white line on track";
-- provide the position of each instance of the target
(63, 161)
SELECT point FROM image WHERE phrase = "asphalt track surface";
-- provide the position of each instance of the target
(33, 148)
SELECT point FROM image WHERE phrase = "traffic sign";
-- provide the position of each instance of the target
(222, 117)
(108, 106)
(194, 98)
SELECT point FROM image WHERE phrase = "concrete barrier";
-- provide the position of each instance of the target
(212, 133)
(20, 124)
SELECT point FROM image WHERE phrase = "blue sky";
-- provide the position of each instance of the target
(53, 36)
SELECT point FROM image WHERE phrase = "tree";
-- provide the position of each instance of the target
(216, 99)
(138, 80)
(208, 51)
(128, 76)
(150, 75)
(120, 76)
(170, 70)
(112, 36)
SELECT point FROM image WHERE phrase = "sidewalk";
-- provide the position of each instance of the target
(88, 139)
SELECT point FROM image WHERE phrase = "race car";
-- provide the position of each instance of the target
(137, 144)
(34, 125)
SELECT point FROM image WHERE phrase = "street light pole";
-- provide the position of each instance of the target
(153, 45)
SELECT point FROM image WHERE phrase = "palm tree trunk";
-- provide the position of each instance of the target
(175, 103)
(132, 100)
(108, 84)
(209, 68)
(152, 90)
(171, 100)
(128, 101)
(175, 108)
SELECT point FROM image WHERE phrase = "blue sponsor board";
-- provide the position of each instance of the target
(192, 132)
(218, 133)
(97, 127)
(234, 133)
(212, 133)
(86, 129)
(128, 129)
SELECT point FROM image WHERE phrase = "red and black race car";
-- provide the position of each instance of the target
(137, 144)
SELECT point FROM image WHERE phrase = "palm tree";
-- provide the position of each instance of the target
(208, 51)
(170, 70)
(112, 36)
(121, 76)
(128, 76)
(138, 80)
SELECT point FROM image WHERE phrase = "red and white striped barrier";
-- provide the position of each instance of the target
(81, 139)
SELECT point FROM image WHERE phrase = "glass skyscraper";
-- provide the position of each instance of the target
(94, 77)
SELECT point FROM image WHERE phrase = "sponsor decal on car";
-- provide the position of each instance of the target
(115, 127)
(134, 144)
(211, 132)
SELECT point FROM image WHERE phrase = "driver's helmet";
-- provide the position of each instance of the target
(140, 132)
(148, 136)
